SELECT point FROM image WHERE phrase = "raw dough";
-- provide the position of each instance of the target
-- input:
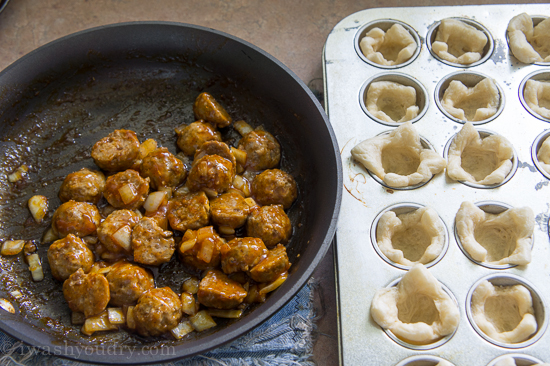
(459, 42)
(500, 239)
(471, 104)
(543, 155)
(417, 310)
(392, 102)
(537, 96)
(504, 313)
(444, 363)
(509, 361)
(410, 238)
(483, 161)
(398, 157)
(529, 44)
(391, 48)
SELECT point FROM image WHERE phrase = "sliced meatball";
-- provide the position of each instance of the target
(67, 255)
(78, 218)
(269, 223)
(191, 211)
(117, 151)
(126, 189)
(262, 150)
(207, 108)
(163, 169)
(86, 293)
(151, 244)
(205, 254)
(215, 148)
(241, 254)
(192, 136)
(272, 266)
(127, 282)
(211, 172)
(230, 209)
(83, 186)
(157, 311)
(216, 290)
(274, 187)
(124, 220)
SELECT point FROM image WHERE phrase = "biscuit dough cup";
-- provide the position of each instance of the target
(529, 43)
(541, 154)
(388, 48)
(398, 158)
(516, 360)
(417, 310)
(536, 95)
(458, 42)
(391, 102)
(482, 161)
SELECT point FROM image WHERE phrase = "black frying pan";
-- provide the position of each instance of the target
(58, 100)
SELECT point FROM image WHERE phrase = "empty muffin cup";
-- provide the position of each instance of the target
(518, 358)
(521, 45)
(476, 96)
(424, 360)
(458, 44)
(534, 94)
(393, 98)
(391, 44)
(503, 309)
(402, 235)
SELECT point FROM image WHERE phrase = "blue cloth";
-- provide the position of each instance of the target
(284, 339)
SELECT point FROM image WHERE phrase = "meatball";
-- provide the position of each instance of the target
(114, 222)
(127, 282)
(126, 189)
(83, 186)
(207, 108)
(191, 211)
(163, 169)
(67, 255)
(211, 172)
(216, 290)
(117, 151)
(230, 209)
(157, 311)
(151, 244)
(78, 218)
(269, 223)
(192, 136)
(205, 254)
(241, 254)
(86, 293)
(274, 264)
(274, 187)
(262, 150)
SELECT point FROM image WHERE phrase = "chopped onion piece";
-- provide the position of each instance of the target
(97, 323)
(90, 240)
(242, 127)
(207, 250)
(205, 232)
(187, 245)
(189, 305)
(146, 147)
(6, 305)
(182, 329)
(202, 321)
(226, 230)
(49, 236)
(250, 202)
(230, 314)
(154, 200)
(181, 191)
(130, 322)
(12, 247)
(127, 193)
(38, 205)
(16, 293)
(242, 185)
(167, 190)
(123, 237)
(240, 155)
(210, 192)
(273, 285)
(77, 318)
(35, 267)
(18, 174)
(191, 285)
(116, 316)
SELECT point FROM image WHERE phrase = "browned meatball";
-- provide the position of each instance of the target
(269, 223)
(84, 186)
(192, 136)
(241, 254)
(78, 218)
(191, 211)
(127, 282)
(262, 150)
(158, 310)
(205, 254)
(274, 264)
(274, 187)
(126, 189)
(163, 168)
(86, 293)
(216, 290)
(230, 209)
(117, 151)
(151, 244)
(215, 148)
(67, 255)
(207, 108)
(116, 221)
(211, 172)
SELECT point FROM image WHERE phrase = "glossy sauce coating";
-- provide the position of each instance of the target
(78, 218)
(67, 255)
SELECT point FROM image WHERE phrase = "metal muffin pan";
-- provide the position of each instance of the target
(361, 271)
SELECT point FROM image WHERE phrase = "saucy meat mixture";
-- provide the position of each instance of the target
(228, 209)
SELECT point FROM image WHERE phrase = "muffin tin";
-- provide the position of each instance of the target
(361, 270)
